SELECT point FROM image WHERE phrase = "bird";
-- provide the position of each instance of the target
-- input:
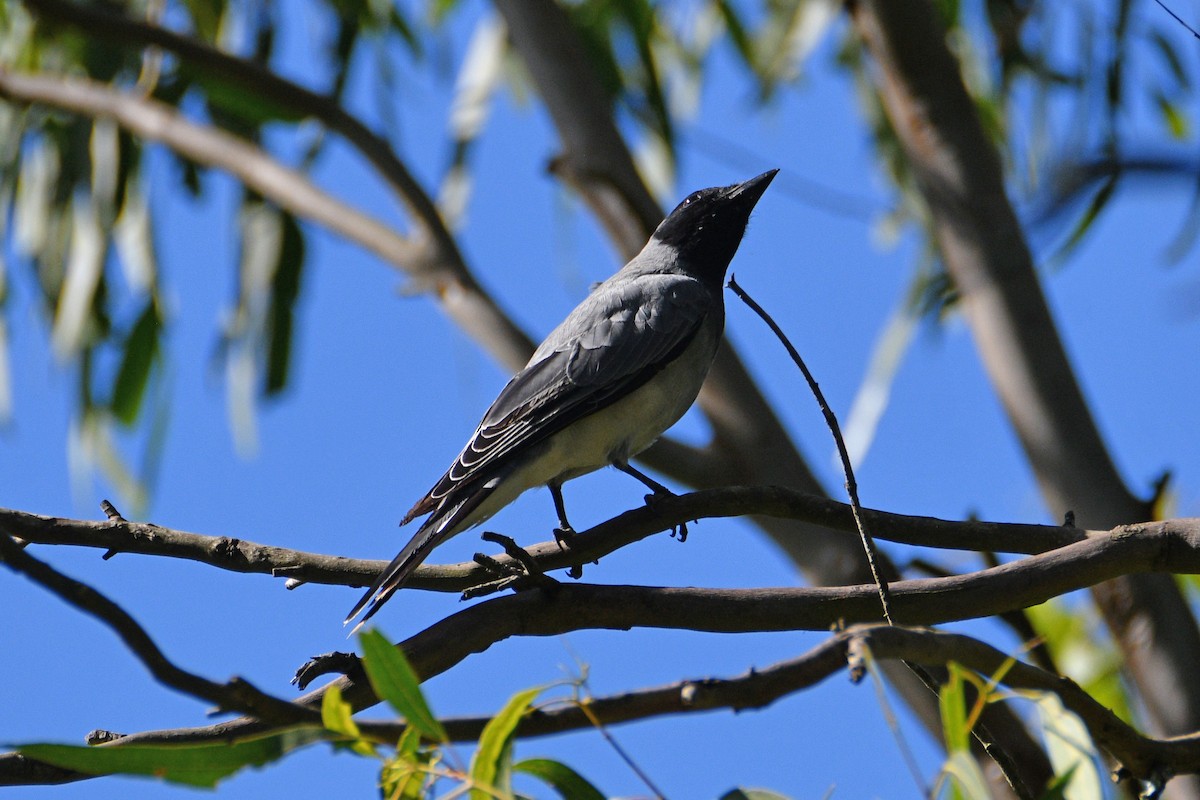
(620, 370)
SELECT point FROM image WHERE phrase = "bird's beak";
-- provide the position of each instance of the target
(748, 193)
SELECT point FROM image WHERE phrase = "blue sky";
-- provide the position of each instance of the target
(385, 391)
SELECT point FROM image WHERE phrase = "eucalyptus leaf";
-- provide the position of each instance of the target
(395, 681)
(141, 351)
(569, 784)
(196, 764)
(491, 765)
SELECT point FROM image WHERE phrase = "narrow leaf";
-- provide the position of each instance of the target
(569, 784)
(964, 770)
(491, 766)
(1097, 204)
(953, 705)
(1173, 117)
(198, 764)
(1170, 58)
(394, 679)
(285, 289)
(232, 98)
(1070, 748)
(141, 349)
(336, 713)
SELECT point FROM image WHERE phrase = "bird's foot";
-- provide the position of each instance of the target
(563, 535)
(526, 573)
(656, 498)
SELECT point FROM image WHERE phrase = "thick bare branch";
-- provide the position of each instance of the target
(959, 175)
(1144, 757)
(241, 555)
(1173, 545)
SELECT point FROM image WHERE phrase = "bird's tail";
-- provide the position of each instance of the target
(435, 530)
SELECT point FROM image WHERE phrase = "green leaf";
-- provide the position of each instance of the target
(1070, 747)
(964, 771)
(206, 17)
(569, 784)
(233, 98)
(1170, 58)
(338, 716)
(737, 34)
(285, 288)
(491, 766)
(141, 350)
(394, 679)
(336, 713)
(1057, 788)
(198, 764)
(1097, 204)
(953, 705)
(1175, 119)
(405, 775)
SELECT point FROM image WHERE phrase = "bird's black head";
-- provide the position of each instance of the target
(707, 227)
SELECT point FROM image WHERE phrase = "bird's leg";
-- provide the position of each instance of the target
(564, 531)
(657, 492)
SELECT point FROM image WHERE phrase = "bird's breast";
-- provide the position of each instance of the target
(631, 424)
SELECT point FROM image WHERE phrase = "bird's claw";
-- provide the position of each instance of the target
(563, 535)
(679, 531)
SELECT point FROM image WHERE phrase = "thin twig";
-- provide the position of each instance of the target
(1177, 19)
(831, 420)
(620, 751)
(889, 717)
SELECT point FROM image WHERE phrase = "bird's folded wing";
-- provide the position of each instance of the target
(612, 344)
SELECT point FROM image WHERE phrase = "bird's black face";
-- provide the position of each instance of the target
(707, 227)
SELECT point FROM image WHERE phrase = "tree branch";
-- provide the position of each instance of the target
(435, 261)
(159, 122)
(237, 695)
(1144, 757)
(981, 242)
(1154, 546)
(241, 555)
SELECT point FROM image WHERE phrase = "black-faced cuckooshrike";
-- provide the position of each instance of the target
(618, 371)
